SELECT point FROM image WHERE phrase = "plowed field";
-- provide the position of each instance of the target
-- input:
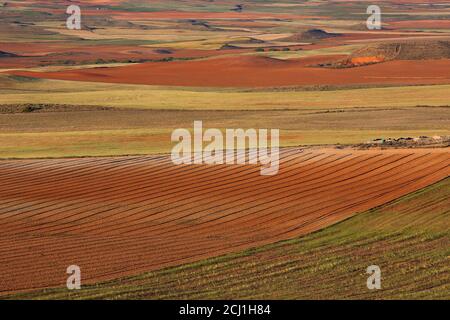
(122, 216)
(256, 72)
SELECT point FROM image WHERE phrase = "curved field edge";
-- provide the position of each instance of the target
(408, 238)
(134, 142)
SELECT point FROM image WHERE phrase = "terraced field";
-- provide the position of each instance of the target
(118, 217)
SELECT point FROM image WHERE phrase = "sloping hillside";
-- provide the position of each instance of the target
(310, 35)
(410, 50)
(408, 239)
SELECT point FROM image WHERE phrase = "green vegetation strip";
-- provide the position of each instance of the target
(156, 141)
(409, 239)
(23, 91)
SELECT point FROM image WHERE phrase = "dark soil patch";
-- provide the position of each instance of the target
(39, 108)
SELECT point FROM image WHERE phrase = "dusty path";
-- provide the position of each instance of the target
(122, 216)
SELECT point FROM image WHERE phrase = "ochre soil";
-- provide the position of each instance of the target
(256, 71)
(366, 60)
(115, 217)
(421, 24)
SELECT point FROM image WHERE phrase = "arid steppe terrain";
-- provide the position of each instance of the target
(86, 118)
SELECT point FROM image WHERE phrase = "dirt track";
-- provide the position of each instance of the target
(121, 216)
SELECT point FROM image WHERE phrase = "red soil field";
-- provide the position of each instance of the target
(35, 54)
(421, 24)
(123, 216)
(255, 71)
(170, 15)
(97, 51)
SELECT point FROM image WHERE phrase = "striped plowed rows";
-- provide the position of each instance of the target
(122, 216)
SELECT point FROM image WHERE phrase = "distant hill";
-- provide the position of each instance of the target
(238, 43)
(388, 51)
(411, 50)
(4, 54)
(310, 35)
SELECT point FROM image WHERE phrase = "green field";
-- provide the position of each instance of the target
(149, 141)
(147, 115)
(409, 239)
(150, 97)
